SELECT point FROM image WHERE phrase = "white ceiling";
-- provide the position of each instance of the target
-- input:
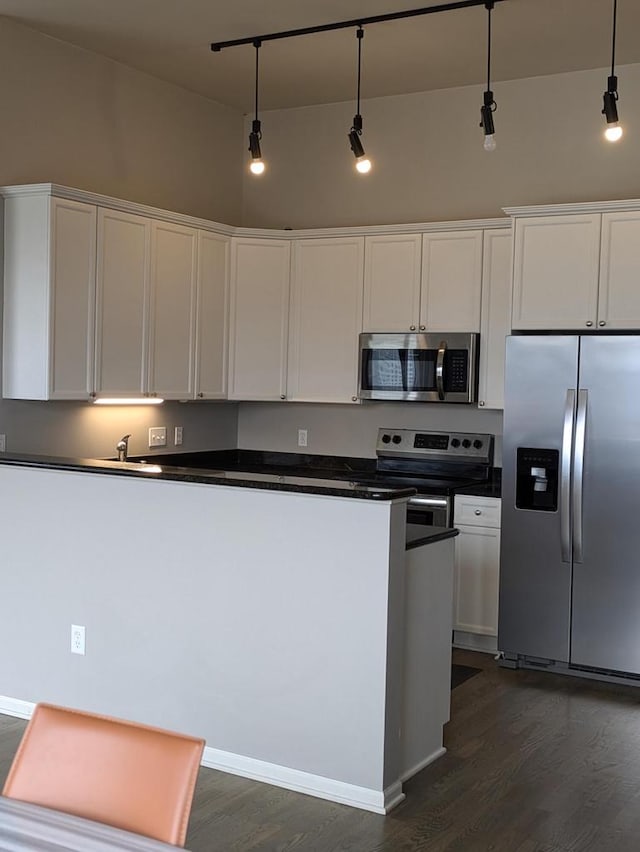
(171, 40)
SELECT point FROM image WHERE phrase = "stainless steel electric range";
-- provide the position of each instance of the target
(436, 464)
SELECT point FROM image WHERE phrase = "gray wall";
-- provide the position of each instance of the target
(429, 163)
(72, 117)
(351, 430)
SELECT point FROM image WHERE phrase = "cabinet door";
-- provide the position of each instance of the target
(172, 311)
(326, 319)
(495, 317)
(122, 303)
(451, 281)
(259, 318)
(619, 294)
(392, 282)
(212, 315)
(476, 577)
(73, 282)
(555, 272)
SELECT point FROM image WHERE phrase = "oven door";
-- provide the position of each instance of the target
(429, 511)
(418, 367)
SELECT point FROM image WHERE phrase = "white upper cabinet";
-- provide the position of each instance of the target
(122, 304)
(451, 280)
(619, 293)
(325, 319)
(49, 288)
(495, 317)
(555, 271)
(212, 315)
(258, 320)
(392, 272)
(172, 308)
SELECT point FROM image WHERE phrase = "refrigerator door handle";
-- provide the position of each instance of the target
(578, 474)
(565, 477)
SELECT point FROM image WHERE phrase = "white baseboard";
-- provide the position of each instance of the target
(475, 642)
(15, 707)
(377, 801)
(409, 773)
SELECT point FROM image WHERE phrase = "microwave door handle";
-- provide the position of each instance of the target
(565, 477)
(440, 369)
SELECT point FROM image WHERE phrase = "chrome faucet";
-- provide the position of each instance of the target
(122, 447)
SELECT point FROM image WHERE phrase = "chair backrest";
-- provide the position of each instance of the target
(124, 774)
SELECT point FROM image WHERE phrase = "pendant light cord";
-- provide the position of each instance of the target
(360, 36)
(613, 40)
(489, 8)
(257, 44)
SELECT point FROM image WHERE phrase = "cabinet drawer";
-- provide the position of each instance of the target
(476, 511)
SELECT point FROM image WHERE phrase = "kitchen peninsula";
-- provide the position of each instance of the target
(279, 617)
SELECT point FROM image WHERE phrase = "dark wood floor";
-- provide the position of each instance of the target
(535, 763)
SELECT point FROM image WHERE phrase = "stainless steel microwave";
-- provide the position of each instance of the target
(431, 367)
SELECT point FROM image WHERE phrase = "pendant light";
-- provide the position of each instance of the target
(363, 163)
(257, 163)
(489, 106)
(613, 131)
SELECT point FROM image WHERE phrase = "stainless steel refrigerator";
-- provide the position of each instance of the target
(570, 551)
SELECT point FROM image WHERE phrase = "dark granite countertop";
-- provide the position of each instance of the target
(157, 468)
(492, 488)
(419, 535)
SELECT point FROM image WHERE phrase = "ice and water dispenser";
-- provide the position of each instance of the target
(537, 479)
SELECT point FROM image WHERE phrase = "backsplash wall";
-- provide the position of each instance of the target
(351, 430)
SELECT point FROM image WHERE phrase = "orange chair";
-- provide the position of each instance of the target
(120, 773)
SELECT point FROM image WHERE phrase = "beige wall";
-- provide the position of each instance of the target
(72, 117)
(351, 430)
(429, 163)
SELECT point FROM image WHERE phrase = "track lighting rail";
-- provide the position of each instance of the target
(357, 22)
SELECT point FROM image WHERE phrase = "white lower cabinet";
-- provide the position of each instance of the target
(476, 572)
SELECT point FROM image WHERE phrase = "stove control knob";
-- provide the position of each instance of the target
(477, 444)
(396, 439)
(466, 443)
(386, 439)
(455, 442)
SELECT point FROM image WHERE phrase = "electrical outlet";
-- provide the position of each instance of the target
(77, 639)
(3, 443)
(157, 436)
(302, 437)
(177, 436)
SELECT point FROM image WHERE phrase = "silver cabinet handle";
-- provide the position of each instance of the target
(283, 396)
(440, 369)
(481, 403)
(354, 398)
(478, 512)
(200, 395)
(412, 328)
(601, 323)
(437, 502)
(565, 477)
(589, 323)
(422, 327)
(578, 473)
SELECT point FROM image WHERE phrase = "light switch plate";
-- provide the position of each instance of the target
(157, 436)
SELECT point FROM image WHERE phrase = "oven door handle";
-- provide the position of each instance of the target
(440, 369)
(431, 502)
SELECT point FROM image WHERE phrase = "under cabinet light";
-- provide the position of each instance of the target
(128, 400)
